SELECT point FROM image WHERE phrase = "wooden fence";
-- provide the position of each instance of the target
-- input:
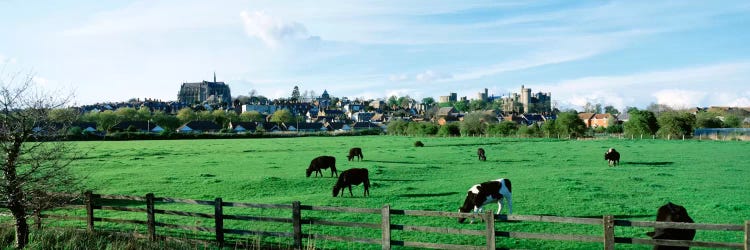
(608, 223)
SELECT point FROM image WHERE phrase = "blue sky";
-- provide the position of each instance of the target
(621, 53)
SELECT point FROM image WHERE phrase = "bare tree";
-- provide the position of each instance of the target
(35, 159)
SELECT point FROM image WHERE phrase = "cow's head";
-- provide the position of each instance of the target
(672, 213)
(467, 207)
(308, 172)
(336, 189)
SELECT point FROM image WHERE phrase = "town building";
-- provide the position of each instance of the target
(205, 92)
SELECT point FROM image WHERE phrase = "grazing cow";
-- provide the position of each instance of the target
(673, 213)
(612, 156)
(485, 193)
(480, 153)
(322, 162)
(349, 177)
(355, 152)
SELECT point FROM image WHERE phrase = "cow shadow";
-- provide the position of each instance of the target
(428, 195)
(649, 163)
(616, 216)
(395, 162)
(373, 180)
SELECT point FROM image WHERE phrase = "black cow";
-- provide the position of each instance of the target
(485, 193)
(355, 152)
(612, 156)
(480, 153)
(349, 177)
(673, 213)
(322, 162)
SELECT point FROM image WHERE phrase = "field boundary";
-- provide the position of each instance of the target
(93, 202)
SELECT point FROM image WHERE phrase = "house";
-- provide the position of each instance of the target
(600, 120)
(533, 118)
(271, 127)
(240, 127)
(621, 118)
(365, 126)
(378, 117)
(137, 126)
(446, 111)
(362, 116)
(305, 127)
(515, 118)
(338, 126)
(446, 119)
(89, 127)
(586, 118)
(199, 127)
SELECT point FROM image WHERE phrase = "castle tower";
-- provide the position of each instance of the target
(525, 98)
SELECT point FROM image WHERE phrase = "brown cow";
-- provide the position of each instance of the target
(355, 152)
(349, 177)
(672, 213)
(480, 153)
(322, 162)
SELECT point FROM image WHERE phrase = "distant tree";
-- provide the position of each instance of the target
(477, 104)
(532, 130)
(282, 116)
(428, 101)
(476, 123)
(295, 94)
(186, 115)
(732, 121)
(549, 129)
(35, 163)
(658, 108)
(107, 119)
(675, 124)
(397, 127)
(251, 116)
(568, 124)
(461, 106)
(126, 114)
(708, 120)
(63, 114)
(166, 121)
(504, 128)
(449, 129)
(143, 114)
(641, 122)
(609, 109)
(204, 115)
(392, 102)
(592, 108)
(405, 102)
(220, 117)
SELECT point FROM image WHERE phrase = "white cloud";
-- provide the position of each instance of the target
(398, 78)
(431, 76)
(679, 98)
(683, 87)
(273, 31)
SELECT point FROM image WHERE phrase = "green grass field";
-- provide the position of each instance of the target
(562, 178)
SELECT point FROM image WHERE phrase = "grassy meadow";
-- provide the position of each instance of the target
(550, 177)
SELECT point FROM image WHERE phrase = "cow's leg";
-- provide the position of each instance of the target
(499, 205)
(350, 191)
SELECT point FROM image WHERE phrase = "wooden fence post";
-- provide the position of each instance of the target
(609, 232)
(151, 219)
(219, 221)
(38, 219)
(747, 235)
(386, 227)
(89, 210)
(297, 224)
(489, 219)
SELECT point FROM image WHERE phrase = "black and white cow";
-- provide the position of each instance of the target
(486, 193)
(612, 157)
(673, 213)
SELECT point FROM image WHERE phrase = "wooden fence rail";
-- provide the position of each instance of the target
(94, 202)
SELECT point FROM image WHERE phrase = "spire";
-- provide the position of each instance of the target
(214, 76)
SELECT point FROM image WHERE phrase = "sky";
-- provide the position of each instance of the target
(621, 53)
